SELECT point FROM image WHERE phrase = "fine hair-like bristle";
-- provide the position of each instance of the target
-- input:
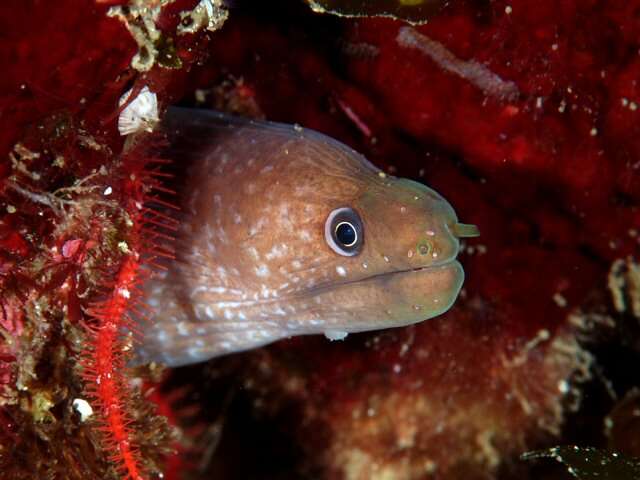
(104, 361)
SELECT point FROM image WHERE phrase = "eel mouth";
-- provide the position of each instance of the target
(450, 263)
(427, 268)
(393, 299)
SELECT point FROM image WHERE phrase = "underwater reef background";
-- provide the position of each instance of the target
(525, 115)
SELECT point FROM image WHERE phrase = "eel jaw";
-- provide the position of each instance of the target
(388, 300)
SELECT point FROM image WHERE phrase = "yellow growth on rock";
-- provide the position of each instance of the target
(624, 285)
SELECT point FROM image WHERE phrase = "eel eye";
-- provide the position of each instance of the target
(344, 232)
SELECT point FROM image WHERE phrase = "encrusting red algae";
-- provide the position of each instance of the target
(525, 118)
(288, 232)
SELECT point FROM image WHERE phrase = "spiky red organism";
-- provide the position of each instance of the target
(113, 329)
(85, 271)
(103, 366)
(70, 251)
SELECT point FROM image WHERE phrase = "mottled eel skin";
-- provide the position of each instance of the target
(285, 231)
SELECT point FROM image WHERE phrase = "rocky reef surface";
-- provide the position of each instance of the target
(523, 114)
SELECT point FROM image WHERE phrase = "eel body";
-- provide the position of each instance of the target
(285, 231)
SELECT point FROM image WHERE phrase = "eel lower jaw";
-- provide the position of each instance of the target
(411, 296)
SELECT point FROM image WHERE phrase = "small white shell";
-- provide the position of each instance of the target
(83, 408)
(140, 114)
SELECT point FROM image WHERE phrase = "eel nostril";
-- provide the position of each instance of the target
(424, 248)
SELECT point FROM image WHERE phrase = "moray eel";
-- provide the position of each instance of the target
(285, 231)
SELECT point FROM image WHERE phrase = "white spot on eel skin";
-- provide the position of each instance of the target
(162, 336)
(262, 271)
(305, 236)
(277, 251)
(182, 329)
(341, 271)
(216, 289)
